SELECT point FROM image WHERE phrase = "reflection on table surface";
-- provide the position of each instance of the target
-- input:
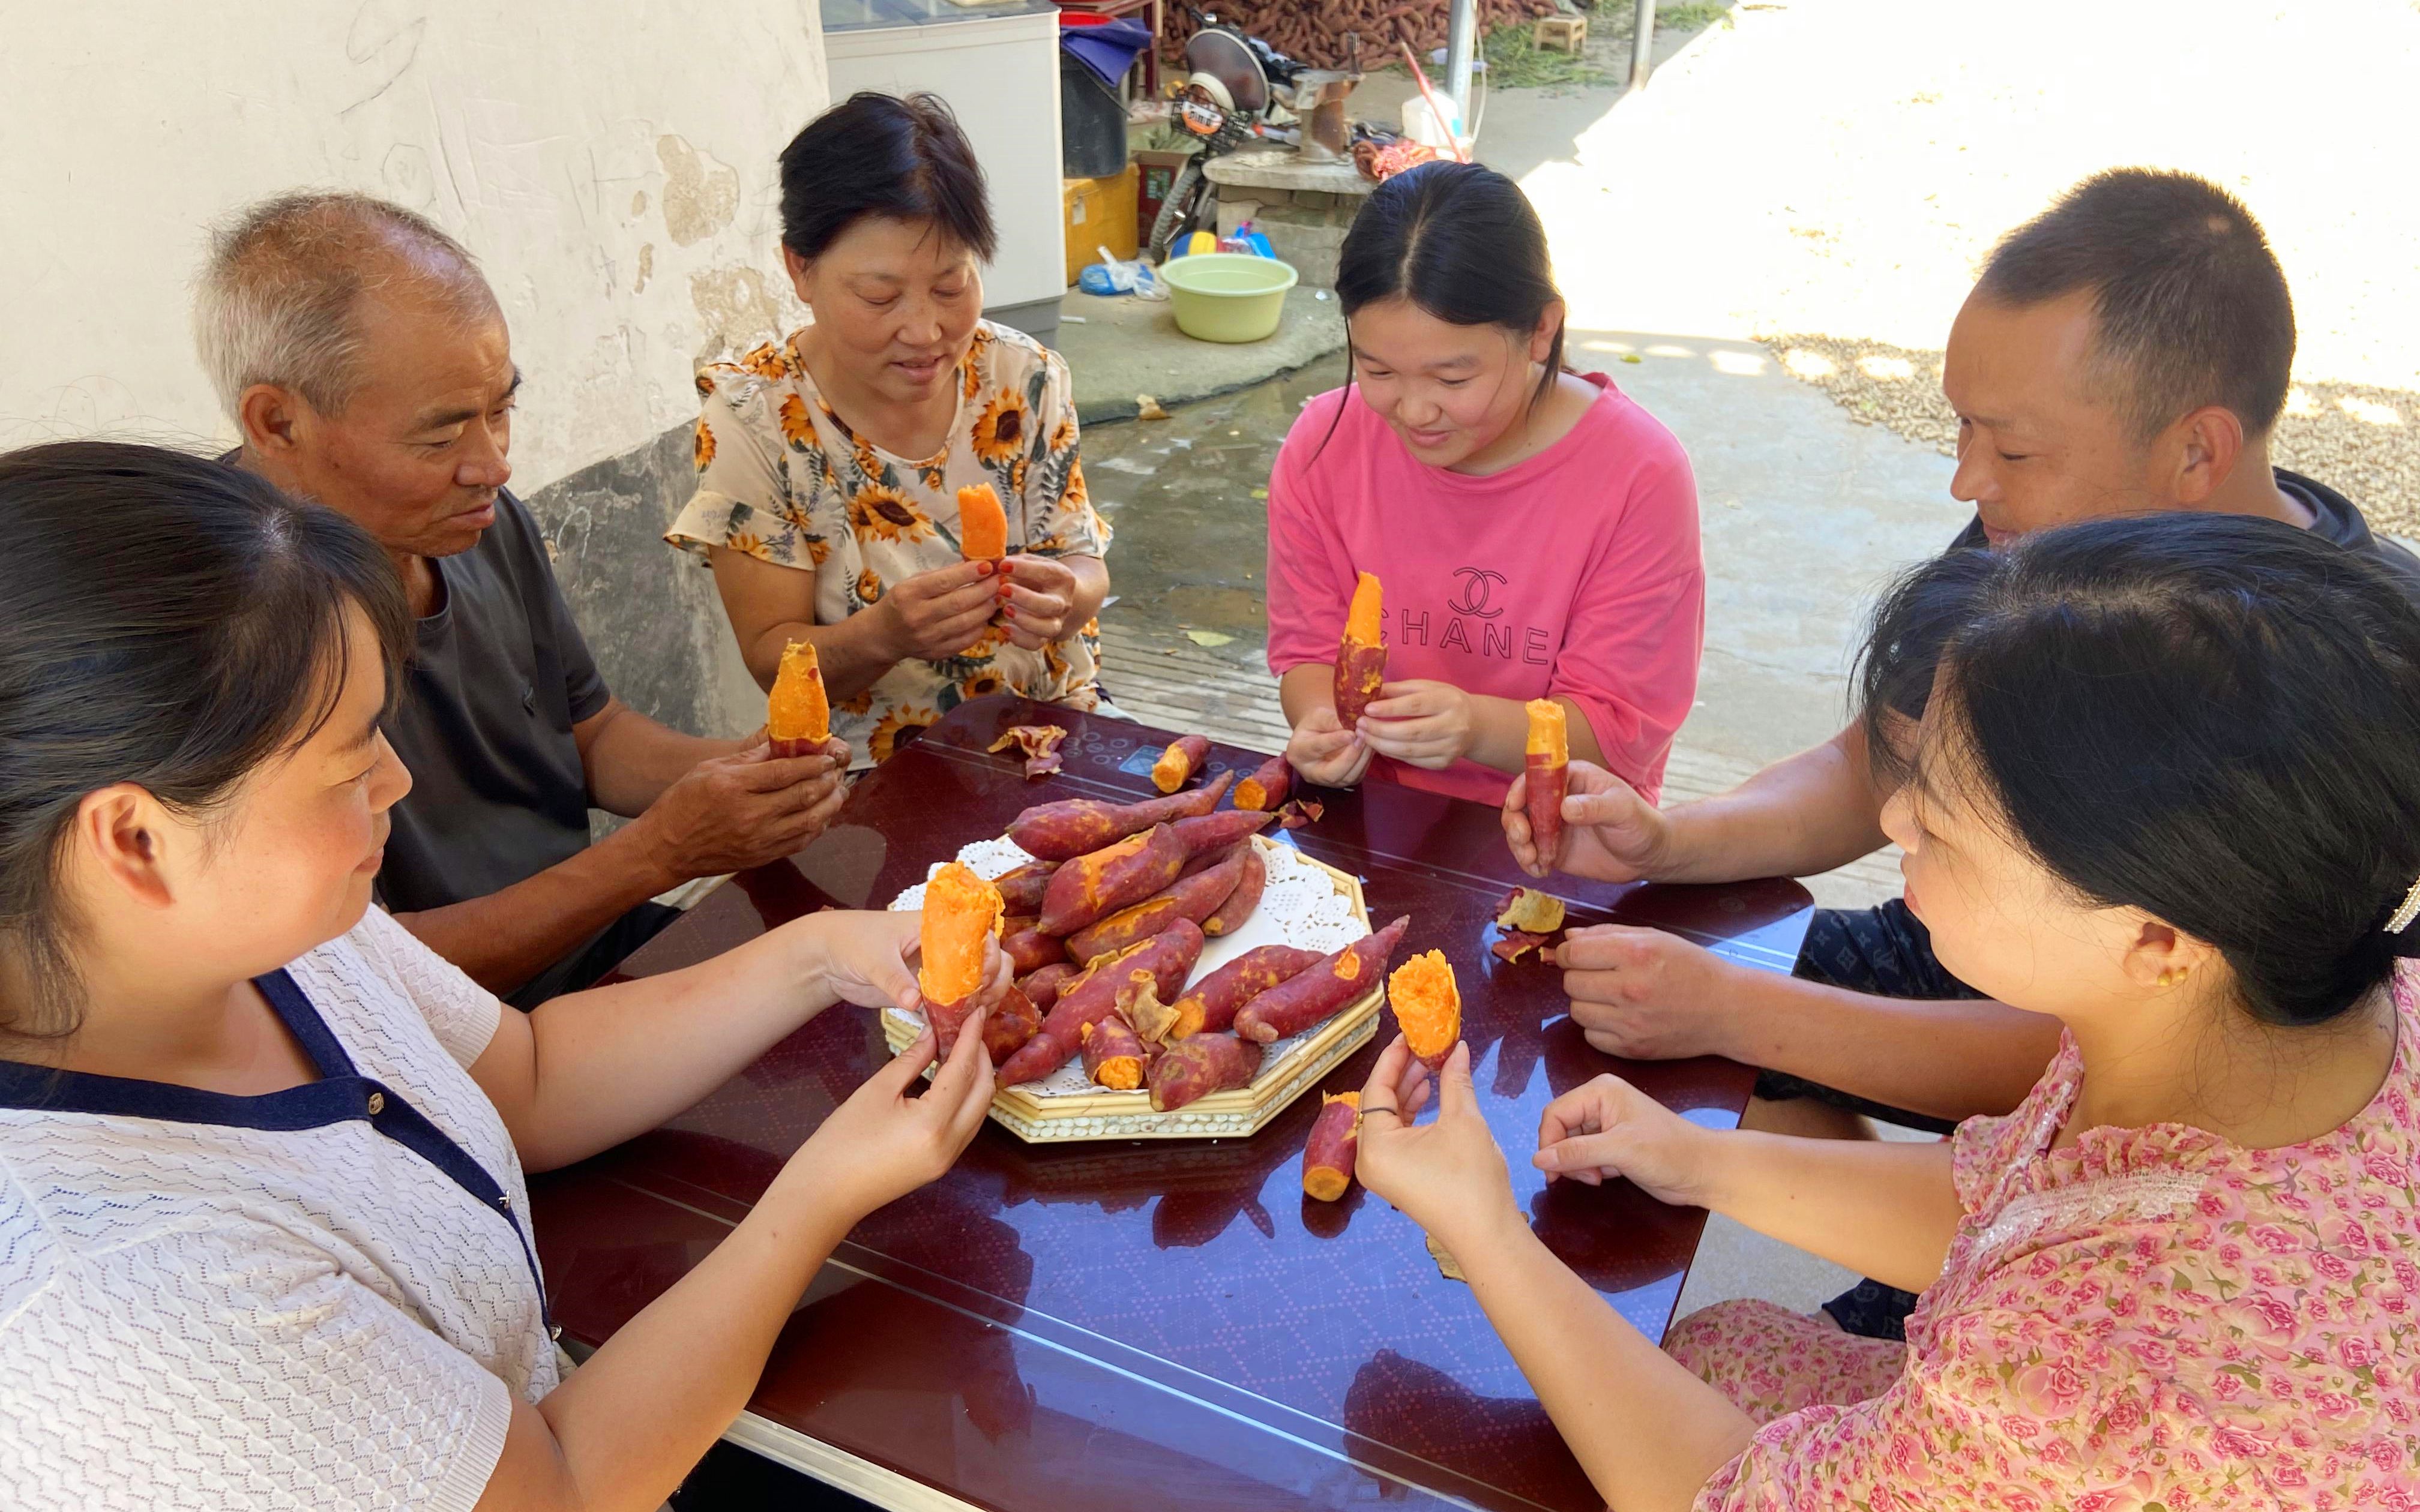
(1105, 1323)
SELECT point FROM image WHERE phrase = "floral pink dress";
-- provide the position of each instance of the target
(2151, 1320)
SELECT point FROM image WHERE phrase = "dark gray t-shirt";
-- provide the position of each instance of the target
(498, 794)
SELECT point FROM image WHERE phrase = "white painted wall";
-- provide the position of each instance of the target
(611, 162)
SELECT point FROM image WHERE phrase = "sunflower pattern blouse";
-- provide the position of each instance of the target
(2150, 1321)
(783, 478)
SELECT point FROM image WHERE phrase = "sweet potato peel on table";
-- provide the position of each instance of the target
(1040, 742)
(1300, 811)
(1514, 944)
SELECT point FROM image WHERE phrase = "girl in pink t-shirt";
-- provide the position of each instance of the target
(1536, 531)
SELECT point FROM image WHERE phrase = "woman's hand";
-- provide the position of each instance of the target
(1609, 832)
(1611, 1128)
(882, 1144)
(1035, 594)
(862, 958)
(1447, 1176)
(1419, 723)
(939, 613)
(1324, 753)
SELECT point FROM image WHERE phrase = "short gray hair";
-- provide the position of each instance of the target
(278, 301)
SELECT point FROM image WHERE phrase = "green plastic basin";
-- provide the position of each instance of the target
(1227, 296)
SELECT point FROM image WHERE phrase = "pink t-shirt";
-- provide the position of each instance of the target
(1575, 574)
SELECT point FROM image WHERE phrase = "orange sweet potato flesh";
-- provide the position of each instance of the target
(983, 525)
(1428, 1006)
(1194, 897)
(1335, 1138)
(1160, 964)
(1191, 1070)
(1185, 756)
(1095, 885)
(1114, 1055)
(1267, 787)
(1062, 831)
(798, 716)
(1314, 993)
(962, 911)
(1361, 656)
(1209, 1005)
(1548, 765)
(1238, 907)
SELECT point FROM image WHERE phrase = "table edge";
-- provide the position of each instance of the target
(836, 1467)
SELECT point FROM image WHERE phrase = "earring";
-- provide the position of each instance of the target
(2175, 976)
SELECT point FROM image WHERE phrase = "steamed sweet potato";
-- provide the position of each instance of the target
(1114, 1056)
(1042, 988)
(1028, 948)
(798, 716)
(1549, 764)
(1185, 756)
(1191, 1070)
(1072, 827)
(1020, 892)
(1335, 1138)
(1160, 964)
(1097, 885)
(1011, 1022)
(1247, 896)
(1428, 1006)
(983, 525)
(1267, 787)
(1314, 993)
(1209, 1005)
(1361, 656)
(1210, 833)
(962, 911)
(1194, 897)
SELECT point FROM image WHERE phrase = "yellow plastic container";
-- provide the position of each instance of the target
(1227, 296)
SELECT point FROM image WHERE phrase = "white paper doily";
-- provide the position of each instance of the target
(1301, 906)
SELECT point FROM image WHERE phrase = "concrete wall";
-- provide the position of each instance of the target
(611, 162)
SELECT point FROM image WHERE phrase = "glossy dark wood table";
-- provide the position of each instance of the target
(1149, 1323)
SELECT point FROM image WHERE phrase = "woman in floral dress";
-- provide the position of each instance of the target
(2162, 781)
(829, 465)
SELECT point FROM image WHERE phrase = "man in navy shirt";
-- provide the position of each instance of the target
(366, 363)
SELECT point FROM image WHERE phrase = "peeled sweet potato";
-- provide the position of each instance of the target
(962, 911)
(1185, 756)
(1335, 1138)
(1028, 948)
(1011, 1022)
(1020, 892)
(1428, 1006)
(1209, 1005)
(1160, 964)
(1549, 764)
(983, 525)
(1194, 897)
(1097, 885)
(1062, 831)
(1042, 988)
(1114, 1056)
(1229, 916)
(1210, 833)
(1361, 656)
(1314, 993)
(1191, 1070)
(1267, 787)
(798, 716)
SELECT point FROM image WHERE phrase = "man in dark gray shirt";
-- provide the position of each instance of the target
(366, 363)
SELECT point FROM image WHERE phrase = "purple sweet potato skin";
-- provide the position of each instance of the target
(1308, 997)
(1095, 885)
(1009, 1025)
(1361, 669)
(1113, 1039)
(1267, 787)
(1028, 949)
(1229, 914)
(1542, 797)
(1210, 833)
(1192, 897)
(1185, 756)
(1020, 892)
(1062, 831)
(1191, 1070)
(1217, 996)
(1041, 989)
(1166, 960)
(1335, 1140)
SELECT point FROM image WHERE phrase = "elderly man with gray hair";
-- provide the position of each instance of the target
(366, 363)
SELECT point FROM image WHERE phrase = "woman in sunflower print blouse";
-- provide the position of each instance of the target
(829, 465)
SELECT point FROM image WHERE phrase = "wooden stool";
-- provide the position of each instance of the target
(1567, 34)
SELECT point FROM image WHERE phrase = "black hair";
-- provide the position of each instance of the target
(167, 620)
(2213, 719)
(2190, 307)
(876, 154)
(1460, 242)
